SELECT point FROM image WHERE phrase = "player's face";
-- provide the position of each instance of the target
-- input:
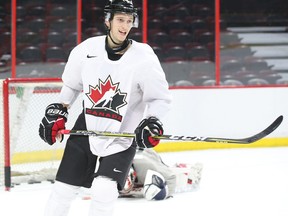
(120, 26)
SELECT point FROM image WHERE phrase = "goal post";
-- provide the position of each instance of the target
(25, 157)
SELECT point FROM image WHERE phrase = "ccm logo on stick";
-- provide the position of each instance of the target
(187, 138)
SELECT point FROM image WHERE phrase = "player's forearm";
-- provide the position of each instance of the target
(68, 96)
(159, 108)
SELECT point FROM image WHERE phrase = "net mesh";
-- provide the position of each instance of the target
(32, 160)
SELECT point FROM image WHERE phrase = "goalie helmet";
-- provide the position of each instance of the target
(121, 6)
(155, 187)
(130, 180)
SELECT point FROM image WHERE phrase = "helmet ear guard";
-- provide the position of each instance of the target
(121, 6)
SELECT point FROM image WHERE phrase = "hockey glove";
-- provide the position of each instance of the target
(145, 131)
(54, 120)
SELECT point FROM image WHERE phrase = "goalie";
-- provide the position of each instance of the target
(149, 177)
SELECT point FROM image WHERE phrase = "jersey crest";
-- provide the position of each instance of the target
(107, 99)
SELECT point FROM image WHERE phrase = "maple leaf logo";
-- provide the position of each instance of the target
(106, 98)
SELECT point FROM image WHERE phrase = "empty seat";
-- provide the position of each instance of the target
(67, 47)
(209, 82)
(244, 76)
(55, 38)
(203, 11)
(36, 24)
(200, 79)
(160, 38)
(31, 54)
(60, 24)
(29, 37)
(155, 23)
(229, 39)
(137, 36)
(282, 81)
(175, 23)
(176, 51)
(71, 37)
(211, 24)
(63, 11)
(228, 76)
(5, 37)
(182, 37)
(256, 65)
(206, 38)
(92, 31)
(197, 52)
(20, 11)
(159, 52)
(55, 54)
(3, 67)
(211, 50)
(237, 52)
(158, 11)
(232, 66)
(181, 12)
(257, 81)
(175, 71)
(197, 24)
(202, 67)
(37, 11)
(270, 75)
(232, 82)
(183, 83)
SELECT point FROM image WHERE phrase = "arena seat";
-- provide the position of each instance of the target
(30, 54)
(198, 52)
(257, 81)
(232, 82)
(176, 51)
(56, 38)
(55, 54)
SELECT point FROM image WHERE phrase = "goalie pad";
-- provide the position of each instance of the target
(188, 176)
(155, 187)
(180, 177)
(148, 159)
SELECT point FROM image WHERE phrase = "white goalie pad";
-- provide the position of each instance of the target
(188, 176)
(180, 177)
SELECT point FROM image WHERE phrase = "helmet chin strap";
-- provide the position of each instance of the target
(118, 44)
(119, 48)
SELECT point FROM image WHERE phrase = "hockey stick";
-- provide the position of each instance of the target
(247, 140)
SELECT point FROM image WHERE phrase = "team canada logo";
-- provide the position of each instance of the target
(107, 99)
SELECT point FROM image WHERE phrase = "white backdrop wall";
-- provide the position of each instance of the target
(227, 112)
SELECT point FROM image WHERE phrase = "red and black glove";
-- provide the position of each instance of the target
(54, 120)
(145, 131)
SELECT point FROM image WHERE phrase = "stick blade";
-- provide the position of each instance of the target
(267, 131)
(248, 140)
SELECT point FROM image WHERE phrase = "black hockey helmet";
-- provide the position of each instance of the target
(121, 6)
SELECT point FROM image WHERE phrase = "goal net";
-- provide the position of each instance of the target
(25, 157)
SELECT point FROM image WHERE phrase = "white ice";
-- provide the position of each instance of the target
(238, 182)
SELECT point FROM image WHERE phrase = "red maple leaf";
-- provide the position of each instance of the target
(97, 92)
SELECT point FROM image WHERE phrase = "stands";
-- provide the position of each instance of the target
(47, 32)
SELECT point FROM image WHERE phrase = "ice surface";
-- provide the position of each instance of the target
(238, 182)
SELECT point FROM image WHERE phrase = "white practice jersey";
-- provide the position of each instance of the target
(116, 94)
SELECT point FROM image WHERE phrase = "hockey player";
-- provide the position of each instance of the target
(136, 98)
(151, 178)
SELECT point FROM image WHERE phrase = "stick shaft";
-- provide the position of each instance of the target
(247, 140)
